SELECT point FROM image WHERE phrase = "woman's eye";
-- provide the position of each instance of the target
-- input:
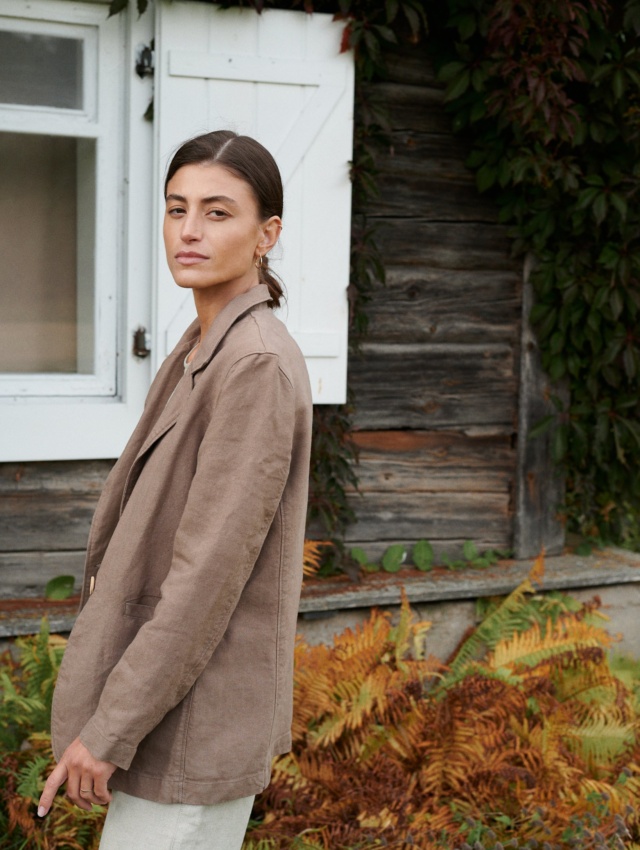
(217, 213)
(175, 211)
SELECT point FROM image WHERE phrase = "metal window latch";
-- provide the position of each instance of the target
(141, 342)
(144, 60)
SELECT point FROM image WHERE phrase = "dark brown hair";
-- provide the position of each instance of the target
(251, 162)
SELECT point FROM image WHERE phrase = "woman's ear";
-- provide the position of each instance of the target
(271, 230)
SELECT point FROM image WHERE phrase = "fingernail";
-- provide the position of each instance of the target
(41, 811)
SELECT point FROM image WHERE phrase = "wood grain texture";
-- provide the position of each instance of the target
(59, 476)
(540, 484)
(437, 461)
(413, 107)
(449, 245)
(442, 516)
(25, 574)
(446, 305)
(434, 386)
(409, 64)
(422, 174)
(48, 506)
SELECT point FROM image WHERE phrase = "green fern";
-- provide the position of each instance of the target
(511, 615)
(601, 740)
(30, 778)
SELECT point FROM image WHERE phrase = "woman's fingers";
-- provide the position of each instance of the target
(88, 790)
(100, 790)
(86, 779)
(55, 780)
(73, 790)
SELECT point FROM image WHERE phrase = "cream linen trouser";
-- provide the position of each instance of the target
(135, 824)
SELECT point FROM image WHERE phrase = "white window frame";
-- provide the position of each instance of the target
(52, 416)
(100, 121)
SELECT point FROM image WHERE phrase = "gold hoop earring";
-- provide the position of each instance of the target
(259, 261)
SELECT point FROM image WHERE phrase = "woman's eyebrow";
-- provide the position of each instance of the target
(225, 199)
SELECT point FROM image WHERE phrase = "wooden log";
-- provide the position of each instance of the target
(24, 574)
(419, 108)
(424, 175)
(432, 516)
(540, 483)
(409, 64)
(434, 387)
(444, 245)
(62, 477)
(48, 506)
(443, 305)
(45, 522)
(438, 461)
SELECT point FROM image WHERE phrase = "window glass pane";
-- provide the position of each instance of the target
(40, 70)
(47, 210)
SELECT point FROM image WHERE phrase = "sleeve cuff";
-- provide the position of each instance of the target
(103, 749)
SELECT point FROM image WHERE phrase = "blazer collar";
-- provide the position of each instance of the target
(230, 314)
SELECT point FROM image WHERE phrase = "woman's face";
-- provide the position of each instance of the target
(212, 230)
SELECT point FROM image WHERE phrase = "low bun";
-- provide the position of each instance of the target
(272, 281)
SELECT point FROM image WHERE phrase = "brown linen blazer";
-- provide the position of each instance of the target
(179, 667)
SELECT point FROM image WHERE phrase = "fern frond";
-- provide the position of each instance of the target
(499, 625)
(601, 739)
(312, 556)
(31, 778)
(536, 644)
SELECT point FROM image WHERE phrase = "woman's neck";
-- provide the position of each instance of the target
(211, 301)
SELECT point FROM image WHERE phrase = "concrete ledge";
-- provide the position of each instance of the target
(563, 572)
(321, 598)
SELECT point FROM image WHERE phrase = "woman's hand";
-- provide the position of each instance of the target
(86, 779)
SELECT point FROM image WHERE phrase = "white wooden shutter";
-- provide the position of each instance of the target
(280, 78)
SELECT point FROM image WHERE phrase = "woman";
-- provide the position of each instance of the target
(176, 686)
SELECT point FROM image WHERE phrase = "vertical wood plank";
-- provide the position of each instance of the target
(539, 483)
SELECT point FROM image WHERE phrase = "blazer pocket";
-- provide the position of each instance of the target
(141, 609)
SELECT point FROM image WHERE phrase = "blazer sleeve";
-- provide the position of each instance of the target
(236, 490)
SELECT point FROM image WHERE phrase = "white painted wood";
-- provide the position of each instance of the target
(280, 78)
(102, 72)
(84, 427)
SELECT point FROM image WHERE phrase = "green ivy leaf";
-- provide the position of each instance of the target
(486, 177)
(470, 550)
(117, 6)
(451, 70)
(559, 445)
(60, 587)
(393, 558)
(458, 87)
(600, 208)
(423, 555)
(541, 426)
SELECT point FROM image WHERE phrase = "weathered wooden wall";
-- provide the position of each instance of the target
(436, 385)
(437, 382)
(45, 513)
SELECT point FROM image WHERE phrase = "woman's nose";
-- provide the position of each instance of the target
(191, 227)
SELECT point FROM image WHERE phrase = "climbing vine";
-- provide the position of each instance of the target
(548, 94)
(548, 91)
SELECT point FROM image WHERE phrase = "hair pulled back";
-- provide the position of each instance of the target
(251, 162)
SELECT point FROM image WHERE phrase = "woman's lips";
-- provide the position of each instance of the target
(189, 258)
